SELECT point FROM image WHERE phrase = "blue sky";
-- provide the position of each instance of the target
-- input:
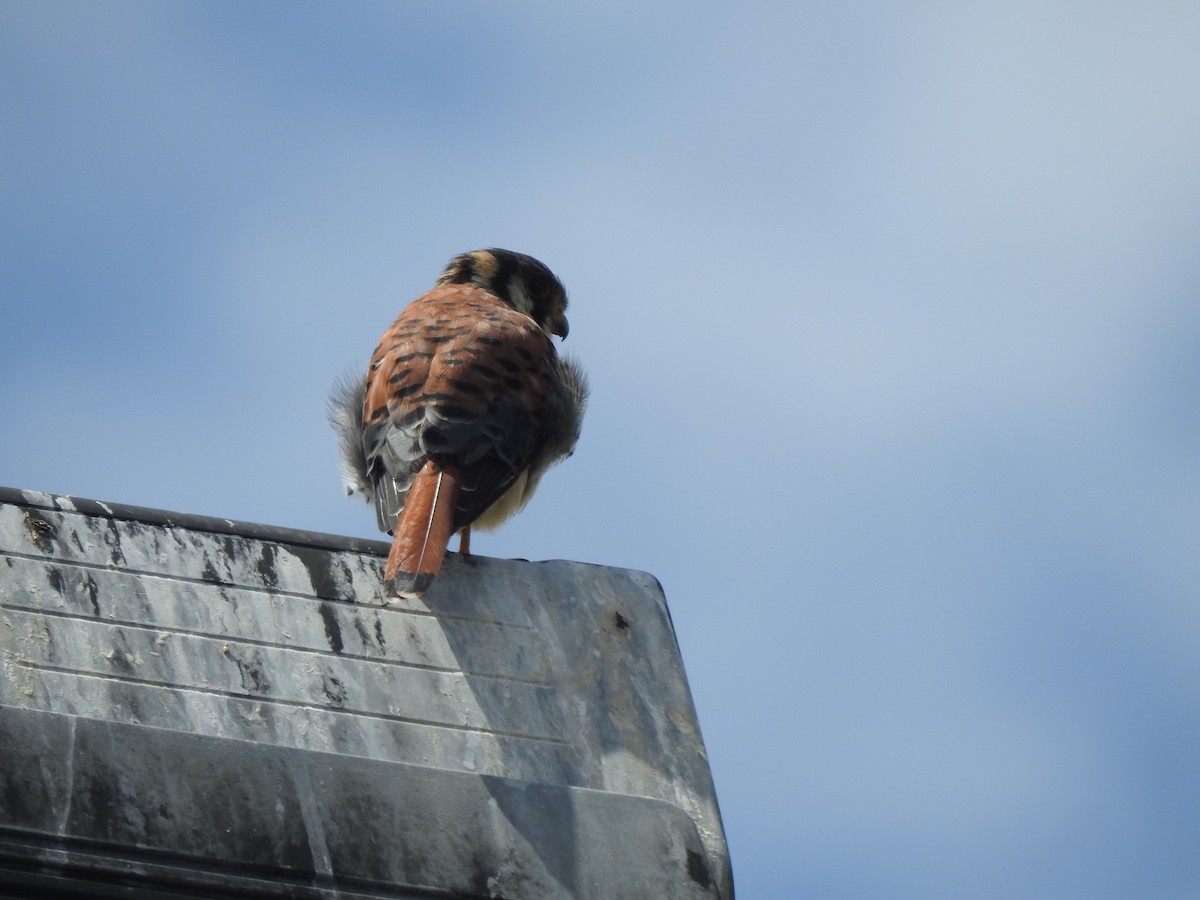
(891, 314)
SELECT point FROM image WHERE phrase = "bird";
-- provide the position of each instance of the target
(464, 406)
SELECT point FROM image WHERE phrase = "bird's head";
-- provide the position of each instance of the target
(521, 281)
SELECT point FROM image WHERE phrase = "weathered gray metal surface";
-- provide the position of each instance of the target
(190, 701)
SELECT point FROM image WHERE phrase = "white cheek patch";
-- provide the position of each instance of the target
(520, 299)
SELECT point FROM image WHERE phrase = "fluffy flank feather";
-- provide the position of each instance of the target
(422, 532)
(345, 412)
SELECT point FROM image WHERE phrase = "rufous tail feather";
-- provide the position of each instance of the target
(422, 531)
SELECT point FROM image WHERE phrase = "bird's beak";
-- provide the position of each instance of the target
(560, 327)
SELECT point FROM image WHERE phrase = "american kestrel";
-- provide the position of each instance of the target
(465, 405)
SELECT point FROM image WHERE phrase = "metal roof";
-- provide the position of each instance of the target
(195, 705)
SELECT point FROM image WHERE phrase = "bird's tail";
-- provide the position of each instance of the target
(422, 531)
